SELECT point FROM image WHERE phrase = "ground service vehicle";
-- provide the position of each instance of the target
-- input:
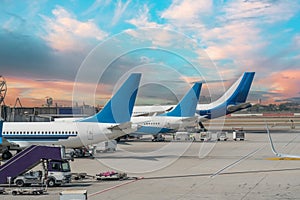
(56, 173)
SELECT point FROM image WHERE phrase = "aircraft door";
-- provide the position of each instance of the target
(90, 135)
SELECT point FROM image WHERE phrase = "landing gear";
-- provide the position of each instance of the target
(6, 155)
(202, 126)
(158, 138)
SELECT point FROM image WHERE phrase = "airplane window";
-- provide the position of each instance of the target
(17, 132)
(34, 132)
(42, 132)
(55, 132)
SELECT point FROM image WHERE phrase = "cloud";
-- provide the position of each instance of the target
(186, 11)
(283, 84)
(119, 10)
(34, 92)
(66, 33)
(142, 19)
(260, 11)
(98, 4)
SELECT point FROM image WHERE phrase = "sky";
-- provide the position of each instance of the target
(81, 51)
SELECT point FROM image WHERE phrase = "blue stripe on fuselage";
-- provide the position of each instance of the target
(153, 130)
(12, 137)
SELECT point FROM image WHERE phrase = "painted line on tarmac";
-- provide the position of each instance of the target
(236, 162)
(114, 187)
(282, 158)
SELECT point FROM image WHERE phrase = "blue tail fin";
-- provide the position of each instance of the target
(241, 89)
(120, 106)
(1, 126)
(187, 106)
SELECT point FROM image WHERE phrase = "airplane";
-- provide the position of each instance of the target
(183, 115)
(111, 122)
(280, 155)
(233, 100)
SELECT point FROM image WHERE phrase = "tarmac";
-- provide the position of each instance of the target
(192, 170)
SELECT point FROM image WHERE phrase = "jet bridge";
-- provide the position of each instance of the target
(27, 159)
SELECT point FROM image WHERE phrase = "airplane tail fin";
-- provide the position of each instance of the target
(119, 108)
(187, 106)
(238, 92)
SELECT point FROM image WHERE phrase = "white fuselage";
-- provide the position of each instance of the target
(164, 121)
(68, 134)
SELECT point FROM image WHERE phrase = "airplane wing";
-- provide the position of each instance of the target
(233, 108)
(190, 119)
(147, 114)
(122, 126)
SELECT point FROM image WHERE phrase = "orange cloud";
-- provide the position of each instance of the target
(284, 84)
(34, 92)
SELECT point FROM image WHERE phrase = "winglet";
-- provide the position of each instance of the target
(119, 108)
(187, 106)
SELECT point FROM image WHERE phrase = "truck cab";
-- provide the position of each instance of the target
(59, 172)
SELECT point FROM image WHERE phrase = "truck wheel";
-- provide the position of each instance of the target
(51, 182)
(6, 155)
(19, 183)
(14, 193)
(34, 193)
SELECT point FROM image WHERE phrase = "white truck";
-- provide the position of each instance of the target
(55, 174)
